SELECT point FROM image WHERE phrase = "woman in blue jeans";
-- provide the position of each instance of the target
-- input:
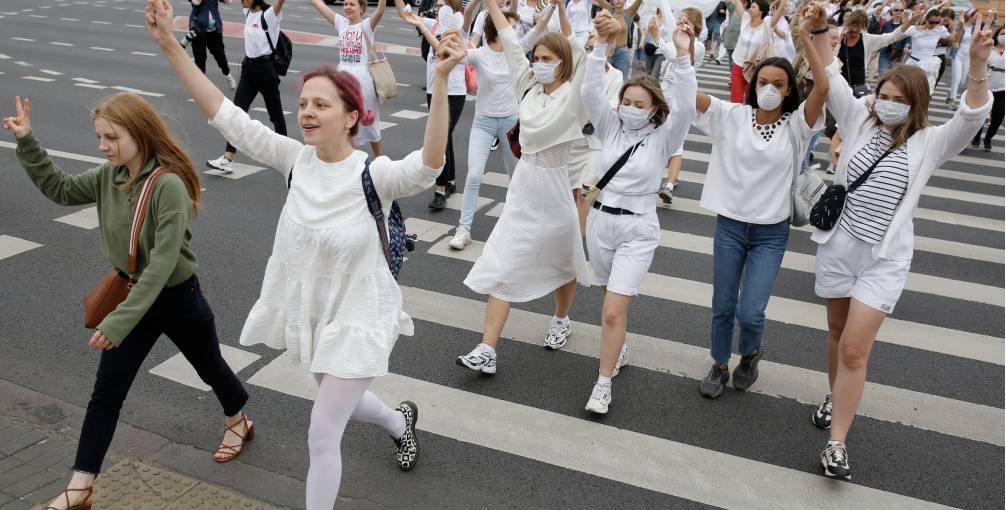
(495, 114)
(748, 186)
(621, 59)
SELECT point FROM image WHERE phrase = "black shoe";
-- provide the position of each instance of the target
(407, 445)
(746, 372)
(975, 143)
(835, 459)
(712, 386)
(496, 144)
(822, 416)
(450, 189)
(439, 201)
(988, 145)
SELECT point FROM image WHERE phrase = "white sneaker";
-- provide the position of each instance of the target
(815, 167)
(623, 359)
(558, 331)
(478, 360)
(830, 169)
(600, 399)
(222, 163)
(461, 239)
(232, 82)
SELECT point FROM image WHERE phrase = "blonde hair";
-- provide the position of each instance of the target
(455, 5)
(559, 45)
(915, 87)
(136, 116)
(694, 16)
(651, 85)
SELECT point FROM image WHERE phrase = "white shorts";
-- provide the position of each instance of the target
(621, 249)
(845, 267)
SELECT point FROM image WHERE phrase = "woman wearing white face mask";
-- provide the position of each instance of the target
(536, 247)
(622, 228)
(864, 257)
(748, 186)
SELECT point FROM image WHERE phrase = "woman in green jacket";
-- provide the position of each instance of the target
(166, 297)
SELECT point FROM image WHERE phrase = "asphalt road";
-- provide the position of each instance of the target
(933, 432)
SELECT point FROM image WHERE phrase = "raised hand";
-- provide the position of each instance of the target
(653, 28)
(413, 19)
(807, 18)
(21, 124)
(452, 50)
(817, 14)
(160, 20)
(981, 44)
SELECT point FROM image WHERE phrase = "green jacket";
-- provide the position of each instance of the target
(733, 30)
(163, 257)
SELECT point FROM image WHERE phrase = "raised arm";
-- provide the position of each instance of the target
(595, 101)
(452, 50)
(277, 6)
(681, 95)
(604, 5)
(817, 96)
(204, 93)
(567, 30)
(780, 11)
(739, 8)
(414, 20)
(631, 10)
(469, 13)
(400, 7)
(378, 13)
(325, 10)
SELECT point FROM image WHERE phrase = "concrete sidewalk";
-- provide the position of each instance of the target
(142, 470)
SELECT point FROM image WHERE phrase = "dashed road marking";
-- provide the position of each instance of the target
(85, 218)
(54, 73)
(38, 16)
(3, 57)
(36, 78)
(22, 39)
(178, 369)
(240, 170)
(409, 114)
(99, 48)
(84, 80)
(144, 54)
(62, 43)
(90, 85)
(22, 63)
(138, 92)
(69, 19)
(403, 84)
(135, 26)
(10, 246)
(386, 125)
(102, 22)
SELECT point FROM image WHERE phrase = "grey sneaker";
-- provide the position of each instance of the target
(222, 163)
(822, 416)
(712, 386)
(558, 331)
(666, 194)
(230, 81)
(407, 446)
(746, 372)
(835, 459)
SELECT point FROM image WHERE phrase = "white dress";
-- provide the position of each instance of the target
(327, 296)
(354, 59)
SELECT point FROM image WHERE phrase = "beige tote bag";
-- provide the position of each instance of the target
(384, 78)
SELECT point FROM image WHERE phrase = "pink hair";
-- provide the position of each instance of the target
(349, 92)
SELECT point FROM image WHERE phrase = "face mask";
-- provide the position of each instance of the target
(632, 117)
(544, 73)
(1001, 39)
(891, 113)
(769, 97)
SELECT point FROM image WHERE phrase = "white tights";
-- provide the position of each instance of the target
(339, 400)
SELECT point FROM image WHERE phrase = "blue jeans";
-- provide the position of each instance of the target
(810, 149)
(746, 260)
(484, 131)
(620, 60)
(882, 64)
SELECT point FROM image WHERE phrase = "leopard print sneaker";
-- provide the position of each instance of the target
(408, 446)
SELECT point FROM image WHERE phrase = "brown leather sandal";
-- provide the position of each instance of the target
(85, 504)
(234, 450)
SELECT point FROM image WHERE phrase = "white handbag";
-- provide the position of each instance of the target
(807, 186)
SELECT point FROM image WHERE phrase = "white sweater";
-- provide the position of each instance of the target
(873, 43)
(635, 184)
(928, 148)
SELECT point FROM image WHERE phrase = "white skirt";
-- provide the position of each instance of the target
(536, 246)
(371, 133)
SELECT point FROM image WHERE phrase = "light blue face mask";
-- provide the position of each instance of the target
(544, 73)
(632, 117)
(892, 113)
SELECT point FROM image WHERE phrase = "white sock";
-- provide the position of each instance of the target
(441, 192)
(603, 380)
(832, 443)
(670, 185)
(560, 320)
(488, 350)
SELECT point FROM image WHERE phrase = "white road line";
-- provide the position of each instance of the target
(138, 92)
(36, 78)
(90, 86)
(178, 369)
(22, 63)
(809, 315)
(84, 80)
(386, 125)
(99, 48)
(427, 231)
(10, 246)
(651, 463)
(3, 57)
(61, 44)
(409, 114)
(102, 22)
(84, 218)
(144, 54)
(47, 71)
(403, 84)
(135, 26)
(37, 16)
(240, 170)
(69, 19)
(454, 202)
(61, 154)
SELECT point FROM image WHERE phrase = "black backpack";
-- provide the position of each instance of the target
(282, 51)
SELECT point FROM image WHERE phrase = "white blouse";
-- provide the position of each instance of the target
(327, 296)
(749, 40)
(495, 97)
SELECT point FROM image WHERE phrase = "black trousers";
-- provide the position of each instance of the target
(260, 77)
(213, 41)
(943, 67)
(996, 119)
(455, 105)
(182, 313)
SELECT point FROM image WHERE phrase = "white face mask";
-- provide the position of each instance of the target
(544, 73)
(1001, 38)
(769, 97)
(891, 113)
(632, 117)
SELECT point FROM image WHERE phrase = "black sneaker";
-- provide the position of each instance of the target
(835, 459)
(746, 372)
(987, 146)
(439, 201)
(496, 144)
(975, 143)
(712, 386)
(822, 417)
(408, 446)
(450, 189)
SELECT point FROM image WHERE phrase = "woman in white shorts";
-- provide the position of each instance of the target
(622, 228)
(924, 39)
(862, 262)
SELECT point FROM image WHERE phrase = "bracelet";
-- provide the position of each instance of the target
(979, 90)
(977, 80)
(821, 31)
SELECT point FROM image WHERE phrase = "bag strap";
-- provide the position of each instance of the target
(371, 54)
(866, 175)
(619, 164)
(374, 204)
(797, 153)
(265, 28)
(140, 212)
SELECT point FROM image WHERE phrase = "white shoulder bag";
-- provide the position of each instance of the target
(807, 186)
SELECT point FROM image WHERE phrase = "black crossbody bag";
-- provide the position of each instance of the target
(591, 192)
(828, 209)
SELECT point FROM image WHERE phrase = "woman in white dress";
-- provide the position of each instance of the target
(536, 246)
(354, 58)
(328, 295)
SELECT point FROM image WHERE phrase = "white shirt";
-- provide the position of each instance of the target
(352, 46)
(784, 46)
(256, 43)
(749, 178)
(636, 183)
(748, 40)
(480, 23)
(447, 20)
(495, 97)
(578, 15)
(924, 41)
(997, 82)
(965, 42)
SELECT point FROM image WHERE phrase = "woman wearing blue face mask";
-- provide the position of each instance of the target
(863, 260)
(748, 187)
(536, 247)
(622, 228)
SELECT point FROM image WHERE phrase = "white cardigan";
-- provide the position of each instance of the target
(873, 43)
(927, 149)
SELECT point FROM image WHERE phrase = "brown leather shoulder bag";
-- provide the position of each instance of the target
(115, 286)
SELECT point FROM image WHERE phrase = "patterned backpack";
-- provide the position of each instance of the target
(393, 238)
